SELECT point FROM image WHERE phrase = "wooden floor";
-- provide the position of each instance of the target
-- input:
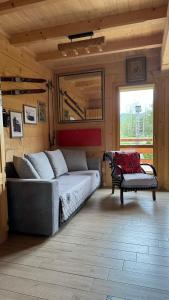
(106, 252)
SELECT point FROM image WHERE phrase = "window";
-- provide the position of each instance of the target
(136, 120)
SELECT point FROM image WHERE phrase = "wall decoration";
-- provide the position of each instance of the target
(22, 92)
(21, 79)
(30, 114)
(6, 118)
(16, 124)
(136, 69)
(79, 137)
(85, 101)
(41, 111)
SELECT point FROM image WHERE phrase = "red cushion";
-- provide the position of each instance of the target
(129, 162)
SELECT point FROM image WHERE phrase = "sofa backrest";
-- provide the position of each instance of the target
(10, 170)
(75, 159)
(92, 164)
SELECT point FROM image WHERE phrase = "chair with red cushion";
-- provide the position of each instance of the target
(128, 174)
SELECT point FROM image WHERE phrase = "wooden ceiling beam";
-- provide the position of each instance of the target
(165, 45)
(144, 42)
(13, 5)
(96, 24)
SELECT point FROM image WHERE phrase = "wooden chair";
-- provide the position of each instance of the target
(131, 181)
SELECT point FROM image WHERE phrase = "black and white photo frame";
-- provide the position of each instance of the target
(16, 123)
(136, 69)
(30, 114)
(42, 117)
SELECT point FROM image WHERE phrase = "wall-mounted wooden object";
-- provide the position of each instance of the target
(79, 137)
(21, 79)
(22, 92)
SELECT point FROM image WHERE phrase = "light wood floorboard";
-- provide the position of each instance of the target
(105, 252)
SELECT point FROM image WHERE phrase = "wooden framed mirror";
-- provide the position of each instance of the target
(81, 96)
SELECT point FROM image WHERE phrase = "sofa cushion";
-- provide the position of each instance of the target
(41, 164)
(73, 191)
(139, 180)
(75, 159)
(57, 162)
(94, 163)
(24, 168)
(94, 177)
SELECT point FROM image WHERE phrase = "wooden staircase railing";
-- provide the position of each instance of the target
(81, 112)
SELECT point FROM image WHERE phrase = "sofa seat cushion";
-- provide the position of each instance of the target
(57, 162)
(73, 191)
(41, 164)
(139, 180)
(75, 159)
(24, 168)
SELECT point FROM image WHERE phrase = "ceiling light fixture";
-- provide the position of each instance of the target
(75, 52)
(100, 48)
(64, 53)
(87, 50)
(81, 44)
(80, 35)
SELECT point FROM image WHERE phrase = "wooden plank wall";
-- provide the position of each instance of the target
(162, 128)
(14, 62)
(114, 66)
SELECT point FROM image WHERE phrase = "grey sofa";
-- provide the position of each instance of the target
(41, 205)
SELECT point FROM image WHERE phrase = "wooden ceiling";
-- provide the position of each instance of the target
(40, 25)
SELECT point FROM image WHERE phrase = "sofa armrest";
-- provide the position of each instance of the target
(33, 206)
(94, 163)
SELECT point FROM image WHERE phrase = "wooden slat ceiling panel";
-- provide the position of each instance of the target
(113, 34)
(53, 12)
(48, 13)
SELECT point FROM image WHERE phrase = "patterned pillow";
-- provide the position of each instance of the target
(129, 162)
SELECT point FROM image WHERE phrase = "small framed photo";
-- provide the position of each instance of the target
(41, 111)
(30, 114)
(136, 69)
(16, 124)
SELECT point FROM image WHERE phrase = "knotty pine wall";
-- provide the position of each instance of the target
(114, 66)
(15, 62)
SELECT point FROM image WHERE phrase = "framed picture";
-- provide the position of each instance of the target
(136, 69)
(41, 111)
(30, 114)
(16, 124)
